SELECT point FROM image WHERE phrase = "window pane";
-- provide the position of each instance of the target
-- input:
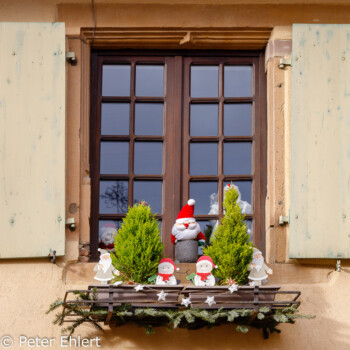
(107, 230)
(203, 158)
(204, 81)
(238, 81)
(204, 119)
(249, 228)
(116, 80)
(115, 118)
(148, 158)
(238, 119)
(114, 157)
(113, 197)
(237, 158)
(150, 192)
(244, 189)
(149, 80)
(149, 119)
(205, 194)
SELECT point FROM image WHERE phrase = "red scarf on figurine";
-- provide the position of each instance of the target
(165, 276)
(203, 275)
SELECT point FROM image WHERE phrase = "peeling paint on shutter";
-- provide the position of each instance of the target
(320, 142)
(32, 139)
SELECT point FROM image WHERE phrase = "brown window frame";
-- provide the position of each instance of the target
(176, 137)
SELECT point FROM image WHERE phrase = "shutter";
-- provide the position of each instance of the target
(32, 139)
(320, 142)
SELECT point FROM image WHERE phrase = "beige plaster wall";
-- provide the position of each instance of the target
(28, 286)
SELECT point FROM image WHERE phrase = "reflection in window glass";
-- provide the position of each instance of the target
(203, 158)
(150, 192)
(244, 189)
(115, 118)
(206, 196)
(238, 119)
(249, 228)
(116, 80)
(113, 197)
(204, 81)
(149, 80)
(207, 228)
(114, 157)
(149, 119)
(107, 230)
(204, 119)
(148, 158)
(237, 158)
(238, 81)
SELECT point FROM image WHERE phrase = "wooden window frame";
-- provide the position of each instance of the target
(173, 199)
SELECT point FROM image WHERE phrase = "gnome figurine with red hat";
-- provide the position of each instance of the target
(166, 270)
(186, 234)
(204, 277)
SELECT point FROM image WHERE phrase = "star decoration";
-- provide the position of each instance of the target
(117, 283)
(162, 295)
(186, 301)
(210, 301)
(233, 288)
(139, 287)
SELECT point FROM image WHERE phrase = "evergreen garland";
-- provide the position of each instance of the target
(231, 248)
(138, 247)
(267, 319)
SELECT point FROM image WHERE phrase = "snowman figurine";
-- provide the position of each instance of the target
(204, 277)
(166, 270)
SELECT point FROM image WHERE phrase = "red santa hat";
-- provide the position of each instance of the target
(208, 259)
(167, 260)
(186, 213)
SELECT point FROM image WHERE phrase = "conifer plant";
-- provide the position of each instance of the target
(138, 247)
(231, 248)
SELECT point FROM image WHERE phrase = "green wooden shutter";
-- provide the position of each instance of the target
(320, 142)
(32, 139)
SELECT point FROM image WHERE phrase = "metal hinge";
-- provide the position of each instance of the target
(283, 220)
(284, 62)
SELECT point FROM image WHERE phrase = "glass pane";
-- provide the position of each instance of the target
(237, 158)
(150, 192)
(244, 189)
(238, 81)
(149, 119)
(249, 228)
(107, 230)
(238, 119)
(204, 119)
(204, 81)
(116, 80)
(205, 194)
(115, 118)
(203, 158)
(148, 158)
(113, 197)
(149, 80)
(114, 157)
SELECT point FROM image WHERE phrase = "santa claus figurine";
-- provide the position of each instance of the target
(186, 227)
(204, 277)
(166, 270)
(258, 269)
(105, 269)
(107, 234)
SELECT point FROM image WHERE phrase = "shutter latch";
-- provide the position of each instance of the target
(284, 62)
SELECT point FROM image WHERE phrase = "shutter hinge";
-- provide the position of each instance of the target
(284, 62)
(71, 58)
(283, 220)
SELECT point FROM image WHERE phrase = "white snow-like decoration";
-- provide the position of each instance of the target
(139, 287)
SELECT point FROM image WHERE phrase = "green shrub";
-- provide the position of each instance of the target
(138, 246)
(230, 247)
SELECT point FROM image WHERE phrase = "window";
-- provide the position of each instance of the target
(166, 128)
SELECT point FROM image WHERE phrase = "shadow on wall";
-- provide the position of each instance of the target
(331, 328)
